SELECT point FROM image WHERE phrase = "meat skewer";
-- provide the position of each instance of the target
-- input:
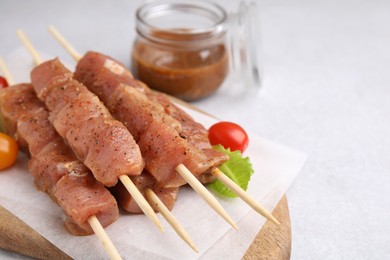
(55, 168)
(169, 141)
(149, 193)
(192, 131)
(111, 137)
(154, 199)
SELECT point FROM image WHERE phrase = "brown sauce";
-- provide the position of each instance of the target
(187, 73)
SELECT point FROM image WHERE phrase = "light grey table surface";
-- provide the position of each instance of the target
(325, 91)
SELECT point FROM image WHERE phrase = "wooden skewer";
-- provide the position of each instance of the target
(36, 57)
(243, 195)
(205, 194)
(154, 199)
(6, 72)
(127, 182)
(142, 203)
(93, 220)
(103, 237)
(68, 47)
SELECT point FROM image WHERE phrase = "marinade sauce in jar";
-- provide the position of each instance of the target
(180, 48)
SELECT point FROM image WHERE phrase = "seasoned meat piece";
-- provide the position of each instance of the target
(34, 127)
(53, 164)
(102, 74)
(137, 112)
(163, 150)
(101, 142)
(159, 135)
(57, 159)
(14, 103)
(195, 134)
(82, 196)
(161, 145)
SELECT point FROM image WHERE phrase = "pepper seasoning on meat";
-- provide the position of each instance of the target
(101, 142)
(158, 134)
(53, 165)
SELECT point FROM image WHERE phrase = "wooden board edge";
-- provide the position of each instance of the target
(273, 242)
(16, 236)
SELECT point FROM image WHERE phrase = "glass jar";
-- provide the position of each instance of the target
(182, 47)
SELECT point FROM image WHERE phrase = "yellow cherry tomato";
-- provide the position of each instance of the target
(8, 151)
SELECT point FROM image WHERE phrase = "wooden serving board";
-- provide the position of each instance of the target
(16, 236)
(271, 242)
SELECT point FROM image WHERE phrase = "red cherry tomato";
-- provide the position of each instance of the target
(3, 82)
(229, 135)
(8, 151)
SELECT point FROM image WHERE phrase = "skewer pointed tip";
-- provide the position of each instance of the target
(61, 40)
(204, 193)
(274, 220)
(235, 226)
(27, 43)
(103, 237)
(142, 203)
(244, 196)
(175, 224)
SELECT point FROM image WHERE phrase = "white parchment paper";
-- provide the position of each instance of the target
(135, 236)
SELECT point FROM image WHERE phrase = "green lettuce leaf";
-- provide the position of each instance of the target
(237, 168)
